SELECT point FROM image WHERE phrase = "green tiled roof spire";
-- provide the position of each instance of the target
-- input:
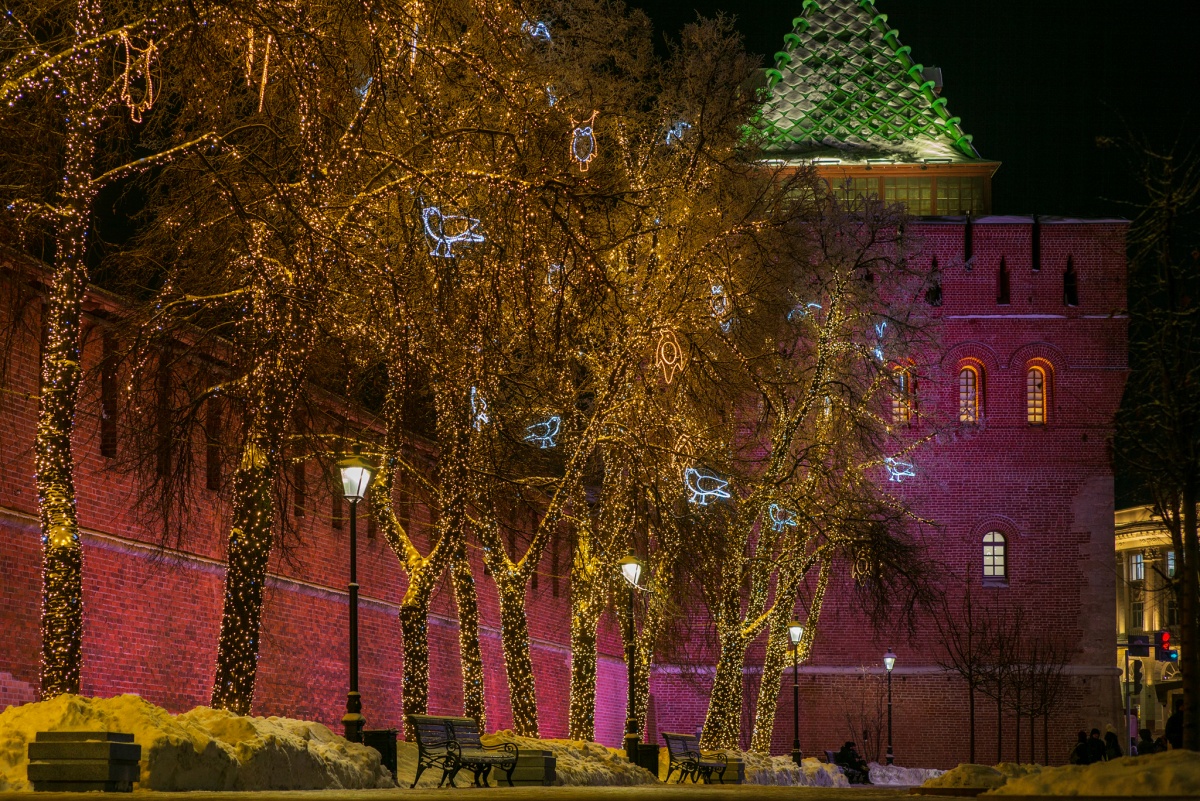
(844, 85)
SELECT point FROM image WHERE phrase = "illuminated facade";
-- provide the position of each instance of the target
(1145, 561)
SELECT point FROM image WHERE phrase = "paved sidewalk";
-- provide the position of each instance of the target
(659, 792)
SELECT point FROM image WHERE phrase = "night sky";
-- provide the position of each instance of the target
(1034, 82)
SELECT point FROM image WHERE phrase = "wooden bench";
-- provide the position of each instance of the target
(453, 744)
(689, 760)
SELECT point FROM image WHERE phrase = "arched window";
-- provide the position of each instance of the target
(995, 559)
(1035, 396)
(969, 387)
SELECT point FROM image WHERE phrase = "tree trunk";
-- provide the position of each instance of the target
(999, 722)
(582, 714)
(1189, 616)
(414, 630)
(518, 664)
(470, 653)
(722, 725)
(62, 552)
(971, 719)
(249, 554)
(1017, 728)
(774, 663)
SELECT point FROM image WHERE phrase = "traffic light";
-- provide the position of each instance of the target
(1163, 651)
(1137, 677)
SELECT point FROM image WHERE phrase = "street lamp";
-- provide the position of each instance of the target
(631, 571)
(356, 473)
(796, 634)
(889, 662)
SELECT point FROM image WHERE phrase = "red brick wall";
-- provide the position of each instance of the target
(152, 619)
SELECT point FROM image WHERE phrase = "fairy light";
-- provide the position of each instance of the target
(479, 410)
(138, 64)
(536, 30)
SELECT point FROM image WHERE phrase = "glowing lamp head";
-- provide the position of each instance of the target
(356, 477)
(631, 569)
(889, 660)
(795, 633)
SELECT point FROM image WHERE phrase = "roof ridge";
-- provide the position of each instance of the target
(845, 81)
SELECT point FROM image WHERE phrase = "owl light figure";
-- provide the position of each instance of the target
(543, 432)
(704, 486)
(669, 355)
(781, 517)
(721, 307)
(899, 470)
(583, 143)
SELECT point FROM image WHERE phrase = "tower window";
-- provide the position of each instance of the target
(995, 559)
(969, 385)
(1070, 284)
(904, 402)
(1003, 294)
(1035, 396)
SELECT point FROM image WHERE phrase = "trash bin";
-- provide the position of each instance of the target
(647, 757)
(383, 741)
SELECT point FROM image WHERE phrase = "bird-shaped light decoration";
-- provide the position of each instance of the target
(447, 230)
(677, 130)
(899, 470)
(781, 517)
(669, 355)
(536, 30)
(479, 410)
(583, 142)
(550, 96)
(703, 486)
(543, 432)
(880, 329)
(803, 310)
(554, 277)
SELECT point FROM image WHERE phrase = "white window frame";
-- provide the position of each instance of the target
(1137, 567)
(995, 557)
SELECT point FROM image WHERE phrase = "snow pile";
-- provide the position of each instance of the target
(763, 769)
(1172, 773)
(203, 749)
(577, 763)
(896, 776)
(968, 775)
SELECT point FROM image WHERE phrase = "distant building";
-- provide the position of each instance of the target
(1145, 561)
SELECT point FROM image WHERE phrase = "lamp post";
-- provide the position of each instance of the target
(796, 634)
(889, 662)
(356, 476)
(631, 571)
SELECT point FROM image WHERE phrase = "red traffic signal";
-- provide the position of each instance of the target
(1163, 652)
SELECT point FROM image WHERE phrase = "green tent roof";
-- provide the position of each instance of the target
(844, 85)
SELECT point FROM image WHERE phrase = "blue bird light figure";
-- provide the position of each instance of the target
(803, 310)
(677, 130)
(542, 433)
(479, 410)
(781, 517)
(536, 30)
(899, 470)
(583, 143)
(447, 230)
(550, 96)
(704, 486)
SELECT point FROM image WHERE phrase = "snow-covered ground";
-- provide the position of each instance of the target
(203, 749)
(762, 769)
(896, 776)
(1173, 773)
